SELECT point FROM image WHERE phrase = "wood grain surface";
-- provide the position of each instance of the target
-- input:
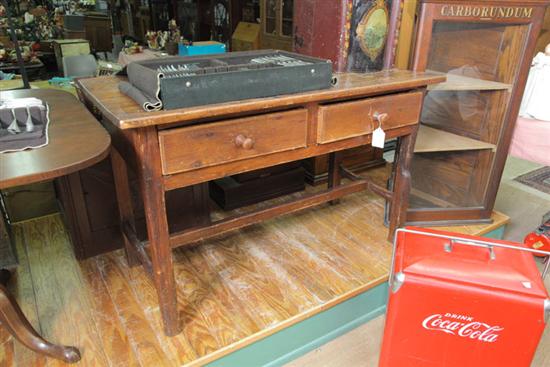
(190, 148)
(123, 112)
(76, 141)
(435, 140)
(339, 121)
(232, 291)
(457, 82)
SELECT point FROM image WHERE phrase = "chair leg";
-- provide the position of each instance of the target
(13, 319)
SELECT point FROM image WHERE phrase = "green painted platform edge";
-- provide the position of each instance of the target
(496, 234)
(305, 336)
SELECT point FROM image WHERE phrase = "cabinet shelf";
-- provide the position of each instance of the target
(464, 83)
(417, 195)
(431, 140)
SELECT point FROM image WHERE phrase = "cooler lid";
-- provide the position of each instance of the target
(505, 269)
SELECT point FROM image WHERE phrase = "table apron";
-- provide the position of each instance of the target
(184, 179)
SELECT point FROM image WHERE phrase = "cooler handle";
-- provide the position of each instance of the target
(449, 246)
(463, 241)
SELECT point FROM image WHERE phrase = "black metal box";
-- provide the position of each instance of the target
(178, 82)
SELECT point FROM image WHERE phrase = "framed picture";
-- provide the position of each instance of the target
(357, 35)
(373, 34)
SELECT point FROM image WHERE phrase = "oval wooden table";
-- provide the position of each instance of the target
(76, 141)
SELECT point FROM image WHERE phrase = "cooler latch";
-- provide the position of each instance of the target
(397, 282)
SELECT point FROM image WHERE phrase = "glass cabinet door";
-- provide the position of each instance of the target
(464, 119)
(271, 16)
(287, 13)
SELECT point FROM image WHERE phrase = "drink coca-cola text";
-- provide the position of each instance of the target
(462, 326)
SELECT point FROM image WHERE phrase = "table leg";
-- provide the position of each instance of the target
(334, 176)
(401, 183)
(13, 319)
(153, 193)
(124, 200)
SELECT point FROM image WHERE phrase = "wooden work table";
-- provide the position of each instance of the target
(182, 147)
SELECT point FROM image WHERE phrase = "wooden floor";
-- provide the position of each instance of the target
(232, 291)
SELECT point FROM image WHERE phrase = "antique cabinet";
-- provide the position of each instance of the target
(88, 203)
(216, 20)
(97, 28)
(277, 24)
(544, 37)
(73, 26)
(485, 49)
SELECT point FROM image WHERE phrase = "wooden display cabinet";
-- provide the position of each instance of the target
(277, 24)
(485, 49)
(97, 28)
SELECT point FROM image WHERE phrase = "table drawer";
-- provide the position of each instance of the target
(344, 120)
(188, 148)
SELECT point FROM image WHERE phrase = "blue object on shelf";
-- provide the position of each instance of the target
(60, 81)
(6, 76)
(201, 48)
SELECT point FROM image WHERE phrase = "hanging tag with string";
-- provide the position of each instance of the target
(378, 135)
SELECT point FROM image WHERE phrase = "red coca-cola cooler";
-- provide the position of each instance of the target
(462, 301)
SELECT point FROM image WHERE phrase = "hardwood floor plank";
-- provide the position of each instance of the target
(340, 248)
(22, 288)
(5, 336)
(226, 320)
(259, 241)
(196, 329)
(298, 278)
(113, 337)
(61, 296)
(348, 232)
(141, 336)
(7, 353)
(236, 260)
(145, 295)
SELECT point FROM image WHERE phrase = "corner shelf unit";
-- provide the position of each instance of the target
(456, 82)
(467, 121)
(431, 140)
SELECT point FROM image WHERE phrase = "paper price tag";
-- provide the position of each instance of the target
(378, 138)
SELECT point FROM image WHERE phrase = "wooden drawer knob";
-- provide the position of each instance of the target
(244, 142)
(380, 117)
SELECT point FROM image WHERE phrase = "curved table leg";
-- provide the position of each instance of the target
(13, 319)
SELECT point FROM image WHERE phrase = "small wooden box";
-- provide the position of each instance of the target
(253, 187)
(246, 37)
